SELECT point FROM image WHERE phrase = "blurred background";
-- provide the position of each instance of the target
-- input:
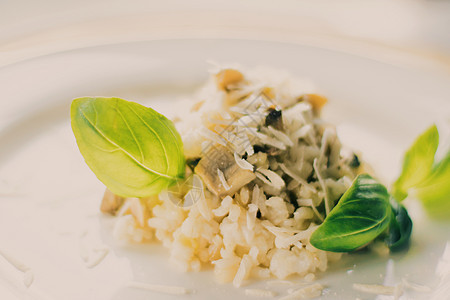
(397, 30)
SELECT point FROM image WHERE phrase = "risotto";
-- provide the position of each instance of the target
(263, 170)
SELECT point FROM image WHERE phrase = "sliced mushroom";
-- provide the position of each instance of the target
(220, 158)
(268, 92)
(274, 118)
(111, 202)
(227, 77)
(197, 106)
(230, 81)
(192, 162)
(316, 101)
(235, 96)
(269, 150)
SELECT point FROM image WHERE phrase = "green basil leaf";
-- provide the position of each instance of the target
(400, 228)
(417, 163)
(434, 192)
(132, 149)
(362, 214)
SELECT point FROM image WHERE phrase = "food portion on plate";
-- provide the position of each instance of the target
(247, 178)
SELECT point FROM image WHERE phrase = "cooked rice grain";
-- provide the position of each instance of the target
(263, 229)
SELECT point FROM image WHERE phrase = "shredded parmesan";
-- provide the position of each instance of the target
(271, 141)
(307, 292)
(260, 293)
(296, 177)
(272, 178)
(281, 136)
(416, 287)
(302, 132)
(214, 137)
(309, 202)
(97, 258)
(327, 133)
(442, 290)
(223, 180)
(165, 289)
(242, 163)
(258, 199)
(84, 253)
(378, 289)
(20, 266)
(324, 187)
(14, 261)
(198, 195)
(28, 278)
(280, 283)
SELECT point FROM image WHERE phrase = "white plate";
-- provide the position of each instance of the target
(49, 198)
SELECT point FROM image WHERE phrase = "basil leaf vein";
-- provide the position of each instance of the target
(132, 149)
(361, 215)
